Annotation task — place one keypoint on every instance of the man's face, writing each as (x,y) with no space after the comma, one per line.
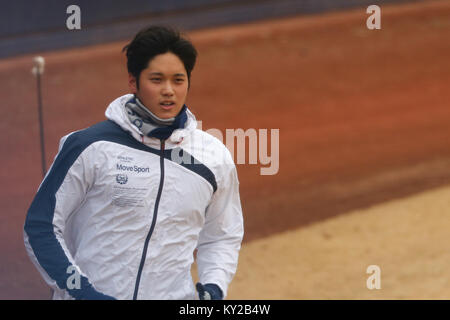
(163,85)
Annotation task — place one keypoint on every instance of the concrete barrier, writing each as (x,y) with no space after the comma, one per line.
(27,27)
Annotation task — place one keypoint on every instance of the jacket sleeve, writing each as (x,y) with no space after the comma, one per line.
(221,237)
(59,195)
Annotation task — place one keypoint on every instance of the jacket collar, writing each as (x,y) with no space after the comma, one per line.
(180,129)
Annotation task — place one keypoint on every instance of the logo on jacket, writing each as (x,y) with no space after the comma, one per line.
(121,178)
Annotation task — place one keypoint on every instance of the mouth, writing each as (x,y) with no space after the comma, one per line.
(167,105)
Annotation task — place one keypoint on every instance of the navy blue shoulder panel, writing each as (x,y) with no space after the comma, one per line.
(110,131)
(186,160)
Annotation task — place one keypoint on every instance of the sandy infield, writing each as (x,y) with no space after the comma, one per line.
(407,238)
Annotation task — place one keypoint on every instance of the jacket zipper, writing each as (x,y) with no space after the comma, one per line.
(155,214)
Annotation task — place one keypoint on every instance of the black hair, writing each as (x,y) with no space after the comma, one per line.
(155,40)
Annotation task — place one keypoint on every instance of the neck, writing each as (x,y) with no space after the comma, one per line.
(151,125)
(145,113)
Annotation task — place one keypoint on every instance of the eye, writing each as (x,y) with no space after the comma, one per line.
(155,79)
(179,80)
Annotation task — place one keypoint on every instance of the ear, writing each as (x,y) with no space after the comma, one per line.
(132,83)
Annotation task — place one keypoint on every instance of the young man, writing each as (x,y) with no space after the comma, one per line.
(127,201)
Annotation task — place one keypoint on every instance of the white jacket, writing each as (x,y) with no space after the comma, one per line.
(123,213)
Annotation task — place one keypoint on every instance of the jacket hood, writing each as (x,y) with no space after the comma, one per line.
(116,112)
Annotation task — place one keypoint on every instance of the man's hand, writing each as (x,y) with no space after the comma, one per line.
(209,291)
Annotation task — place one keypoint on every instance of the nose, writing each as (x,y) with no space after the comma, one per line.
(167,89)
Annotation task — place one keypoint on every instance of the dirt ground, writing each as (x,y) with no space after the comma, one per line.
(406,238)
(363,117)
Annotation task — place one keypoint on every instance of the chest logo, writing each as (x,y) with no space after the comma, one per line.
(121,178)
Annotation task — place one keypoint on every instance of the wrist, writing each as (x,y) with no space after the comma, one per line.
(209,291)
